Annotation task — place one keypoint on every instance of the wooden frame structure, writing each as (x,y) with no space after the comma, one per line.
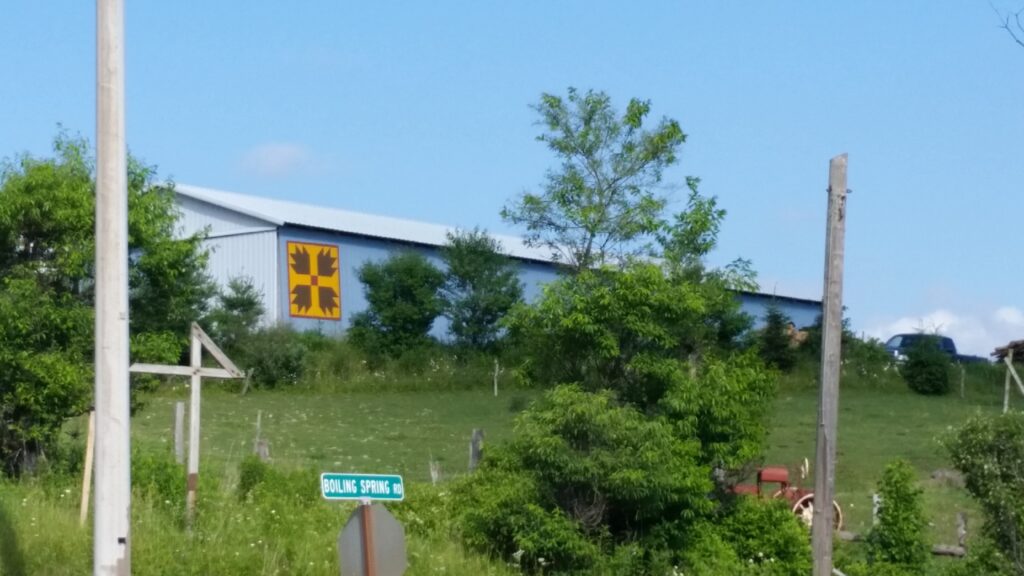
(197,372)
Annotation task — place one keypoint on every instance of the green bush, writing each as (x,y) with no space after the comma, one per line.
(403,299)
(159,477)
(767,532)
(989,452)
(499,514)
(582,476)
(926,369)
(251,473)
(275,356)
(629,330)
(898,538)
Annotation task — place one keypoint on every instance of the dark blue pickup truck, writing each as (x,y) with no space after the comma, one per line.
(899,344)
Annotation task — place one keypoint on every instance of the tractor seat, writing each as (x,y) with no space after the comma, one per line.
(773,474)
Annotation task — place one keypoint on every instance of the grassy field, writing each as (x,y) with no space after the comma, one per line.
(399,432)
(387,432)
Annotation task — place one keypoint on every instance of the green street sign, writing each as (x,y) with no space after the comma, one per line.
(361,486)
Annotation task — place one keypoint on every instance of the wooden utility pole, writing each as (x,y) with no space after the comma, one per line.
(831,347)
(112,524)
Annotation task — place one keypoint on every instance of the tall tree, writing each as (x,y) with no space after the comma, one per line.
(47,249)
(602,203)
(481,285)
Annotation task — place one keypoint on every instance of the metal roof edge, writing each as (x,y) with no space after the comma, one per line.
(780,297)
(202,194)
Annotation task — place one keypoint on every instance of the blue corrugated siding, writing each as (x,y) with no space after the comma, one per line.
(252,255)
(802,313)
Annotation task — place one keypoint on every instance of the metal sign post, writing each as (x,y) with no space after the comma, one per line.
(372,542)
(369,561)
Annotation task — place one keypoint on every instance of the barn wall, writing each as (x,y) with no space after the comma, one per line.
(253,255)
(803,313)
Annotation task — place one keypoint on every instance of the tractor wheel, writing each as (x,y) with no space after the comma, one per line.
(804,510)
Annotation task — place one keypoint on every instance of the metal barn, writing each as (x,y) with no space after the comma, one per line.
(304,258)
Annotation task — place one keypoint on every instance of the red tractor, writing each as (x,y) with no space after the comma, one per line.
(773,482)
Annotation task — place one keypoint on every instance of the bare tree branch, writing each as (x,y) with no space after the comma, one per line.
(1011,22)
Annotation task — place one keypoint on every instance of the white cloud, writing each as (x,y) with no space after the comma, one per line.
(276,159)
(973,334)
(1010,316)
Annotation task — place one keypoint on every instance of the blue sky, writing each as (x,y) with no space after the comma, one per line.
(421,110)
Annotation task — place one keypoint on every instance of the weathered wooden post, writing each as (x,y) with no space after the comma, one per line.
(476,448)
(90,445)
(179,432)
(1006,385)
(828,408)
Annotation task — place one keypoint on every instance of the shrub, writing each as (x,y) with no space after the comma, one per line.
(629,331)
(587,474)
(750,537)
(500,515)
(251,472)
(767,532)
(989,452)
(275,357)
(926,369)
(159,477)
(898,538)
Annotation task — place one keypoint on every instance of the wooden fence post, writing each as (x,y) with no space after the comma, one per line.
(179,432)
(476,448)
(90,445)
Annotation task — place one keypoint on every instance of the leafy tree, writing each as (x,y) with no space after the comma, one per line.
(403,293)
(648,391)
(898,538)
(47,250)
(776,343)
(989,452)
(601,205)
(481,285)
(236,315)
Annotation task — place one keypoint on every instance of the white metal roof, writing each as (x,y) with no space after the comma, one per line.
(282,212)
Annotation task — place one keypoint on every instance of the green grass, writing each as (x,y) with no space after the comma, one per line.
(385,432)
